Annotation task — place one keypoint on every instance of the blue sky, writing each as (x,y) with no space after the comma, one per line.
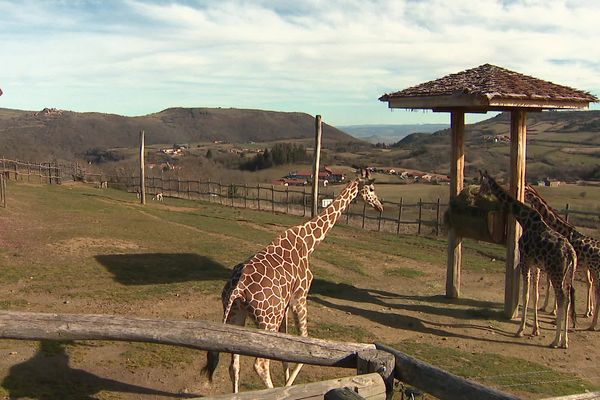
(333,58)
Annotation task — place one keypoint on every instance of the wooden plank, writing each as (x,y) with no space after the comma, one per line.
(517,190)
(457,166)
(581,396)
(192,334)
(368,386)
(439,383)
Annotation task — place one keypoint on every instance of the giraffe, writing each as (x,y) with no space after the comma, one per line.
(540,247)
(278,278)
(586,248)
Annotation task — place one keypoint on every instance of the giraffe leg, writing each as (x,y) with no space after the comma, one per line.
(597,290)
(300,314)
(590,298)
(547,297)
(536,281)
(283,329)
(526,278)
(261,366)
(237,316)
(560,315)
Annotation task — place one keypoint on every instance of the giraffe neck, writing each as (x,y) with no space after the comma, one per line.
(549,215)
(320,225)
(524,214)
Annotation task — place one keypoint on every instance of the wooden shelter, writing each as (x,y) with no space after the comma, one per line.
(479,90)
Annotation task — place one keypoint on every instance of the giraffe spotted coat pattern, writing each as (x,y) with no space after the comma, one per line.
(278,278)
(540,247)
(586,248)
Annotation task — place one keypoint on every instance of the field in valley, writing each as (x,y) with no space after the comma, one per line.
(77,249)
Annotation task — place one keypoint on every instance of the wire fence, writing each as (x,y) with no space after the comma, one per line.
(421,217)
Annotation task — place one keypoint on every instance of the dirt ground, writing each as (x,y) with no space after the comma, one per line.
(391,311)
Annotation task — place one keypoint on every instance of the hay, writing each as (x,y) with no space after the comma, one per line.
(477,216)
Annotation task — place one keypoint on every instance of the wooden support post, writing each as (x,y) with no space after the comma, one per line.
(457,164)
(518,132)
(287,200)
(383,363)
(437,218)
(317,160)
(567,212)
(364,214)
(273,198)
(258,195)
(245,195)
(142,170)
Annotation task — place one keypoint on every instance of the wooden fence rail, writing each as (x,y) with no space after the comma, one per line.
(246,341)
(397,217)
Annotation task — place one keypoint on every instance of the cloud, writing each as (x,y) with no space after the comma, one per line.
(310,56)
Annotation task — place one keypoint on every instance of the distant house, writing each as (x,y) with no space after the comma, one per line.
(325,174)
(290,182)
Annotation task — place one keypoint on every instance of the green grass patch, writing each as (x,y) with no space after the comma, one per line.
(341,260)
(147,355)
(403,272)
(508,374)
(341,332)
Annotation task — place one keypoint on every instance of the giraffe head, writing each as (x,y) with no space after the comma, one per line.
(484,183)
(367,190)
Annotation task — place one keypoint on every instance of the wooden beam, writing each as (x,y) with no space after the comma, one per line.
(439,383)
(457,165)
(518,139)
(368,386)
(192,334)
(479,102)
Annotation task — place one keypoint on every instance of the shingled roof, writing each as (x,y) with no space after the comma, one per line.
(489,87)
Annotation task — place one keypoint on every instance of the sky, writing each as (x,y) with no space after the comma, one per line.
(334,58)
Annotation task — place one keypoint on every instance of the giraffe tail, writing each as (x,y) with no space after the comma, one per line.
(212,361)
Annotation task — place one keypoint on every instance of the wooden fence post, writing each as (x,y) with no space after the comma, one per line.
(364,215)
(379,221)
(399,216)
(273,198)
(3,190)
(258,194)
(437,218)
(368,361)
(420,214)
(567,212)
(142,170)
(287,200)
(304,202)
(245,195)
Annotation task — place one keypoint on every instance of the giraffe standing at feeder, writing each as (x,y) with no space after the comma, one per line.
(540,247)
(278,278)
(586,248)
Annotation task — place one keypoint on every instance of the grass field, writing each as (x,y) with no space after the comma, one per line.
(78,249)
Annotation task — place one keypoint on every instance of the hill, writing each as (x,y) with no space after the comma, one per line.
(61,134)
(389,133)
(560,144)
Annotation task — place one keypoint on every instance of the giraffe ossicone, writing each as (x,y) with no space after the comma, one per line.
(277,279)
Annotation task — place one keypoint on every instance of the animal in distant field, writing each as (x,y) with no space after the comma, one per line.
(158,197)
(278,278)
(103,185)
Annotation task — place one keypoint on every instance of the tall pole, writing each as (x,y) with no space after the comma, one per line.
(315,188)
(142,172)
(518,152)
(457,165)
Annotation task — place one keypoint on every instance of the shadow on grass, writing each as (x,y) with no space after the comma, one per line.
(162,268)
(472,308)
(47,375)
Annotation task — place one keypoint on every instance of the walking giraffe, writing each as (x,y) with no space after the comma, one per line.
(586,248)
(540,247)
(278,278)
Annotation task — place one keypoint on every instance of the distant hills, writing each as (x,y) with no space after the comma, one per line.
(560,144)
(389,133)
(52,133)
